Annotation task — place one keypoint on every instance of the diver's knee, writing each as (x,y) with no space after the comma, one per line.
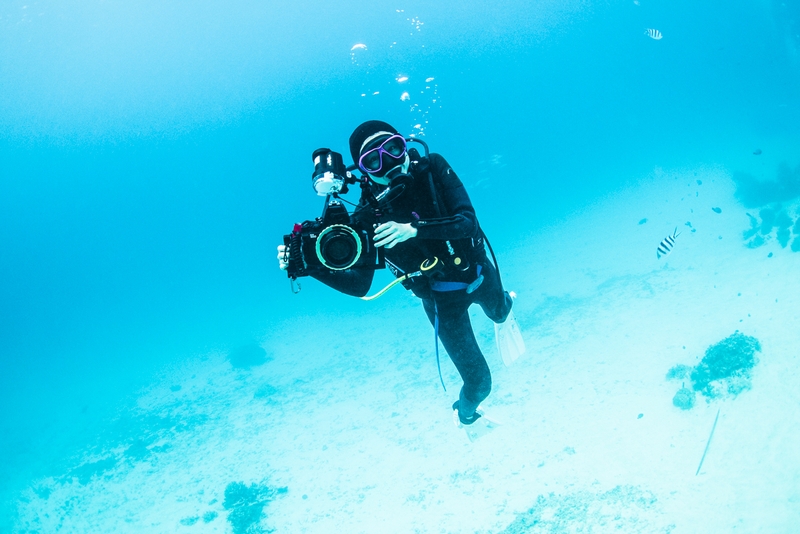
(485,386)
(501,312)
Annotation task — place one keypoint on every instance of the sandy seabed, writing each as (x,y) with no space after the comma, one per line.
(340,433)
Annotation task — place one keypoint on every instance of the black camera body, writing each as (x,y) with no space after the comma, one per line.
(333,242)
(339,240)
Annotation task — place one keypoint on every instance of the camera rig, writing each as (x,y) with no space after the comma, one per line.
(338,239)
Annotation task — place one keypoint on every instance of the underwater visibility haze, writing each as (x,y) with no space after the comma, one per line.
(634,164)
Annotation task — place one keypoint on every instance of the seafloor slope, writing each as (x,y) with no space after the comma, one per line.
(606,418)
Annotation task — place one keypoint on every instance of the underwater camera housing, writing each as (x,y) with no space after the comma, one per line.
(334,242)
(339,240)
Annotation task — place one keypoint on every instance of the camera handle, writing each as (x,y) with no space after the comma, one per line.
(295,258)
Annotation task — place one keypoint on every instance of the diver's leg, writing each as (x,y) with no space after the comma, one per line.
(455,331)
(430,309)
(496,302)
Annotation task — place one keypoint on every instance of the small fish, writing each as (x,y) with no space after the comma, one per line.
(665,247)
(757,152)
(653,33)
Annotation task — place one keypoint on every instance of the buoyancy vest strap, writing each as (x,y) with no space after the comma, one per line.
(434,195)
(438,285)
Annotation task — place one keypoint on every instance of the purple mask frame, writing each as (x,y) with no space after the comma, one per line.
(381,152)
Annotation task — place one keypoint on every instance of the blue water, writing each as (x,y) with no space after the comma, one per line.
(152,155)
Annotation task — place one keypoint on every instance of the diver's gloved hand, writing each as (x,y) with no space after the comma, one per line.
(283,257)
(391,233)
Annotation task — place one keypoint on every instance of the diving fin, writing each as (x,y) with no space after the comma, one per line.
(509,340)
(482,425)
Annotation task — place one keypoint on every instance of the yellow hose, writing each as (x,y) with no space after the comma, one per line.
(428,266)
(387,288)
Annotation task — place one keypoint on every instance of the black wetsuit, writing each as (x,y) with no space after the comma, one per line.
(454,236)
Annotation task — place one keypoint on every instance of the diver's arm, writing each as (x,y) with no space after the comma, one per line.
(461,222)
(353,282)
(461,226)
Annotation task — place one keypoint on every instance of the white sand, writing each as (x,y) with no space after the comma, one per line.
(361,433)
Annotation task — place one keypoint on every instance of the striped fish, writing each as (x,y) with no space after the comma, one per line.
(665,247)
(653,33)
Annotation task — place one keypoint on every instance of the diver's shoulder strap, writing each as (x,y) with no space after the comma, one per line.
(421,168)
(420,165)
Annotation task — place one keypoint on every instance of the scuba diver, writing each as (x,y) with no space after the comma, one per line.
(432,221)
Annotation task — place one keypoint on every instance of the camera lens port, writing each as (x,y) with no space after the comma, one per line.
(338,247)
